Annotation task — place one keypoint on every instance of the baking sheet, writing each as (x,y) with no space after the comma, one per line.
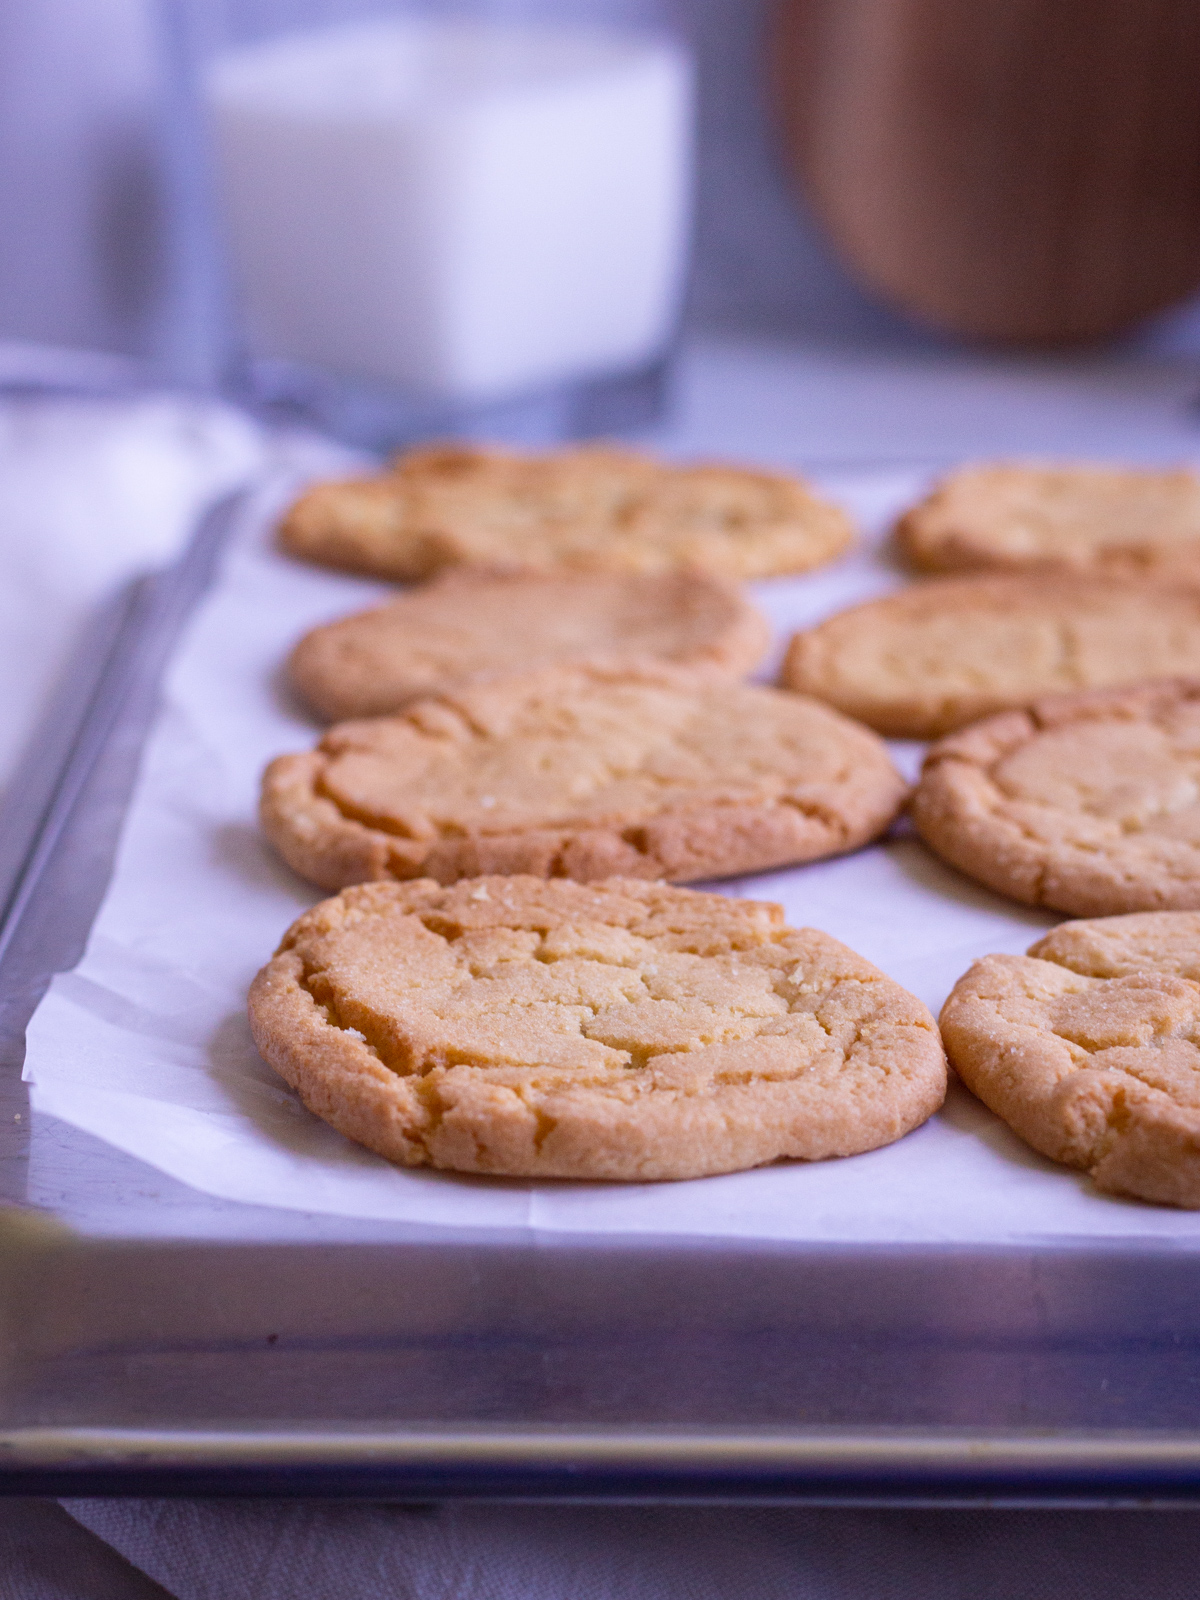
(146,1046)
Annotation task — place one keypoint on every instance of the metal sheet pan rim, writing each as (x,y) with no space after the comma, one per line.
(817,1450)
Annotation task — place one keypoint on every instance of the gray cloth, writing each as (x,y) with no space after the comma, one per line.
(222,1550)
(46,1555)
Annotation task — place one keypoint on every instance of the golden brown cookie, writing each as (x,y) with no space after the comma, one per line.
(1089,518)
(938,655)
(467,626)
(1086,803)
(614,1030)
(582,775)
(1115,947)
(581,510)
(1089,1048)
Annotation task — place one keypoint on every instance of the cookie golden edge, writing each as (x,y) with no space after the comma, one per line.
(733,652)
(1114,947)
(926,540)
(810,664)
(348,524)
(948,812)
(1141,1145)
(931,711)
(929,541)
(357,525)
(341,1078)
(682,844)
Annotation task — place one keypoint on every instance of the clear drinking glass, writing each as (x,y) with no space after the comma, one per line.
(410,218)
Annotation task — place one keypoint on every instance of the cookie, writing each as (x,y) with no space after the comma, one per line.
(1086,803)
(941,654)
(582,510)
(467,626)
(1089,518)
(619,1030)
(1089,1048)
(1115,947)
(582,775)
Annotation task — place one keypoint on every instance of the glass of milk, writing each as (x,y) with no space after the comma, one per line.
(467,216)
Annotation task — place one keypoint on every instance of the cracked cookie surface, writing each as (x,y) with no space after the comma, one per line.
(1089,1048)
(938,655)
(469,626)
(620,1030)
(590,509)
(1086,517)
(583,775)
(1087,803)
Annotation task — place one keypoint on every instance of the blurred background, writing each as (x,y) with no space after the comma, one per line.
(99,256)
(93,258)
(91,255)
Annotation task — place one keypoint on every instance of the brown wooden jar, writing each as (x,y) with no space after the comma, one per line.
(1021,170)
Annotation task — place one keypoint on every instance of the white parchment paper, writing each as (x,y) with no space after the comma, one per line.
(146,1045)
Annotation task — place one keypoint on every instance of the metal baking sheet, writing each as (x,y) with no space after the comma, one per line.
(157,1339)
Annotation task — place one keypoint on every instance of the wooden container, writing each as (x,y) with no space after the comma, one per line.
(1018,170)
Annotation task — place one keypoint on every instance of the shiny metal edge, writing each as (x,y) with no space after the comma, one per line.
(69,796)
(37,776)
(133,654)
(637,1450)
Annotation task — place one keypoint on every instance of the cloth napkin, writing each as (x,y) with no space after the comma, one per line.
(224,1550)
(93,490)
(100,481)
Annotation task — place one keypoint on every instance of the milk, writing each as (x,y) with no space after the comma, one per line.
(461,210)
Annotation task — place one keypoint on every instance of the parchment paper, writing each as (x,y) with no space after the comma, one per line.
(146,1045)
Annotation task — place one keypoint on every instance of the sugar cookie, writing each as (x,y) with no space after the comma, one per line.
(582,775)
(1086,803)
(940,654)
(589,510)
(1087,517)
(468,626)
(618,1030)
(1089,1048)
